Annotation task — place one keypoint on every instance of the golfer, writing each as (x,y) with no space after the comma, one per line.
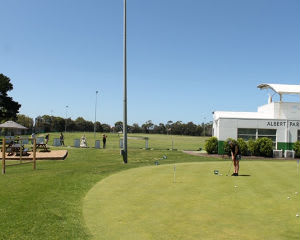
(236,156)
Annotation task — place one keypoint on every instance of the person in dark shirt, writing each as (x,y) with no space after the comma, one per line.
(62,140)
(236,156)
(47,138)
(104,140)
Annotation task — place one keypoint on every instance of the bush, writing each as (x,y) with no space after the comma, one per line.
(227,147)
(243,147)
(265,147)
(253,147)
(211,145)
(296,148)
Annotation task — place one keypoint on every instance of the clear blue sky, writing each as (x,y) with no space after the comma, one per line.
(186,58)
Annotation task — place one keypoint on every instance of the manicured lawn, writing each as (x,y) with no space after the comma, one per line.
(156,141)
(146,203)
(48,203)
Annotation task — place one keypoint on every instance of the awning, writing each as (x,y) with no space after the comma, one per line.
(281,88)
(12,125)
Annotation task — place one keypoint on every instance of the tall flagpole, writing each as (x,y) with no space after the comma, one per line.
(124,152)
(95,115)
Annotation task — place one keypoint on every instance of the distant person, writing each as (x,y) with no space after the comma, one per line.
(32,137)
(83,142)
(236,156)
(62,140)
(104,140)
(47,138)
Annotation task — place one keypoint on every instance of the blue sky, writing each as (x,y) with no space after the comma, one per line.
(185,58)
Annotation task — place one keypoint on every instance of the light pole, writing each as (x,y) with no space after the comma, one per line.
(124,151)
(95,115)
(66,118)
(204,125)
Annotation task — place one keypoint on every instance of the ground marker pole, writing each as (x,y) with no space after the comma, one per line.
(3,156)
(34,154)
(21,150)
(174,180)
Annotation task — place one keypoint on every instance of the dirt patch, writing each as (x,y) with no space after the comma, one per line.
(52,155)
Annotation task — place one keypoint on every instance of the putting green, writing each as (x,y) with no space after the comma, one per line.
(146,203)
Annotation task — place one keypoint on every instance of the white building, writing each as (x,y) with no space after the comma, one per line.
(279,121)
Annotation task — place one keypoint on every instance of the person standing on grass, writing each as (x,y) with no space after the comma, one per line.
(236,156)
(61,138)
(47,138)
(104,140)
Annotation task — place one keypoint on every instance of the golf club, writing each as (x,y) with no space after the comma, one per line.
(231,163)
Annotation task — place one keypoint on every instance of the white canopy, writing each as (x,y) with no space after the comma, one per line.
(281,88)
(12,125)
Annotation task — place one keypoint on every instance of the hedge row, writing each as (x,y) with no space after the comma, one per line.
(259,147)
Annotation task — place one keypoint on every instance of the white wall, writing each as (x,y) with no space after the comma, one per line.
(286,110)
(287,131)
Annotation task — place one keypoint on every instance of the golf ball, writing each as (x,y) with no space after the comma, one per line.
(296,192)
(297,215)
(288,197)
(235,186)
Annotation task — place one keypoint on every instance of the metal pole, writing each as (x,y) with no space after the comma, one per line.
(34,154)
(204,125)
(95,115)
(66,119)
(124,152)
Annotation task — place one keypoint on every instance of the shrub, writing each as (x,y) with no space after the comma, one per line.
(227,147)
(265,147)
(211,145)
(253,147)
(243,147)
(296,148)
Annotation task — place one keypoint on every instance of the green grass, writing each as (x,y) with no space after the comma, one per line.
(156,141)
(145,203)
(48,203)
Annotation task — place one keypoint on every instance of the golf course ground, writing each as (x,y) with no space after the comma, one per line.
(147,203)
(93,195)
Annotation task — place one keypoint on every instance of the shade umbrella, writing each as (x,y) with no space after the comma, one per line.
(12,125)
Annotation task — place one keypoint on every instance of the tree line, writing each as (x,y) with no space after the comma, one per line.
(48,123)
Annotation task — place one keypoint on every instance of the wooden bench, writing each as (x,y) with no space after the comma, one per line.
(43,147)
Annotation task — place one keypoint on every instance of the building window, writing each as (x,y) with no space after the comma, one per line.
(269,133)
(250,133)
(298,135)
(246,133)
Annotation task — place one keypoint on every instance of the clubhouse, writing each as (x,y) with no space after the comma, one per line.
(279,121)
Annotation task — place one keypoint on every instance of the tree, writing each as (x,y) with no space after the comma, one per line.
(8,107)
(136,128)
(189,129)
(25,121)
(98,127)
(58,124)
(80,124)
(161,129)
(147,126)
(105,127)
(118,126)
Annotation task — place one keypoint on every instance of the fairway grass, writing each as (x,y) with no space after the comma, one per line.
(146,203)
(156,141)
